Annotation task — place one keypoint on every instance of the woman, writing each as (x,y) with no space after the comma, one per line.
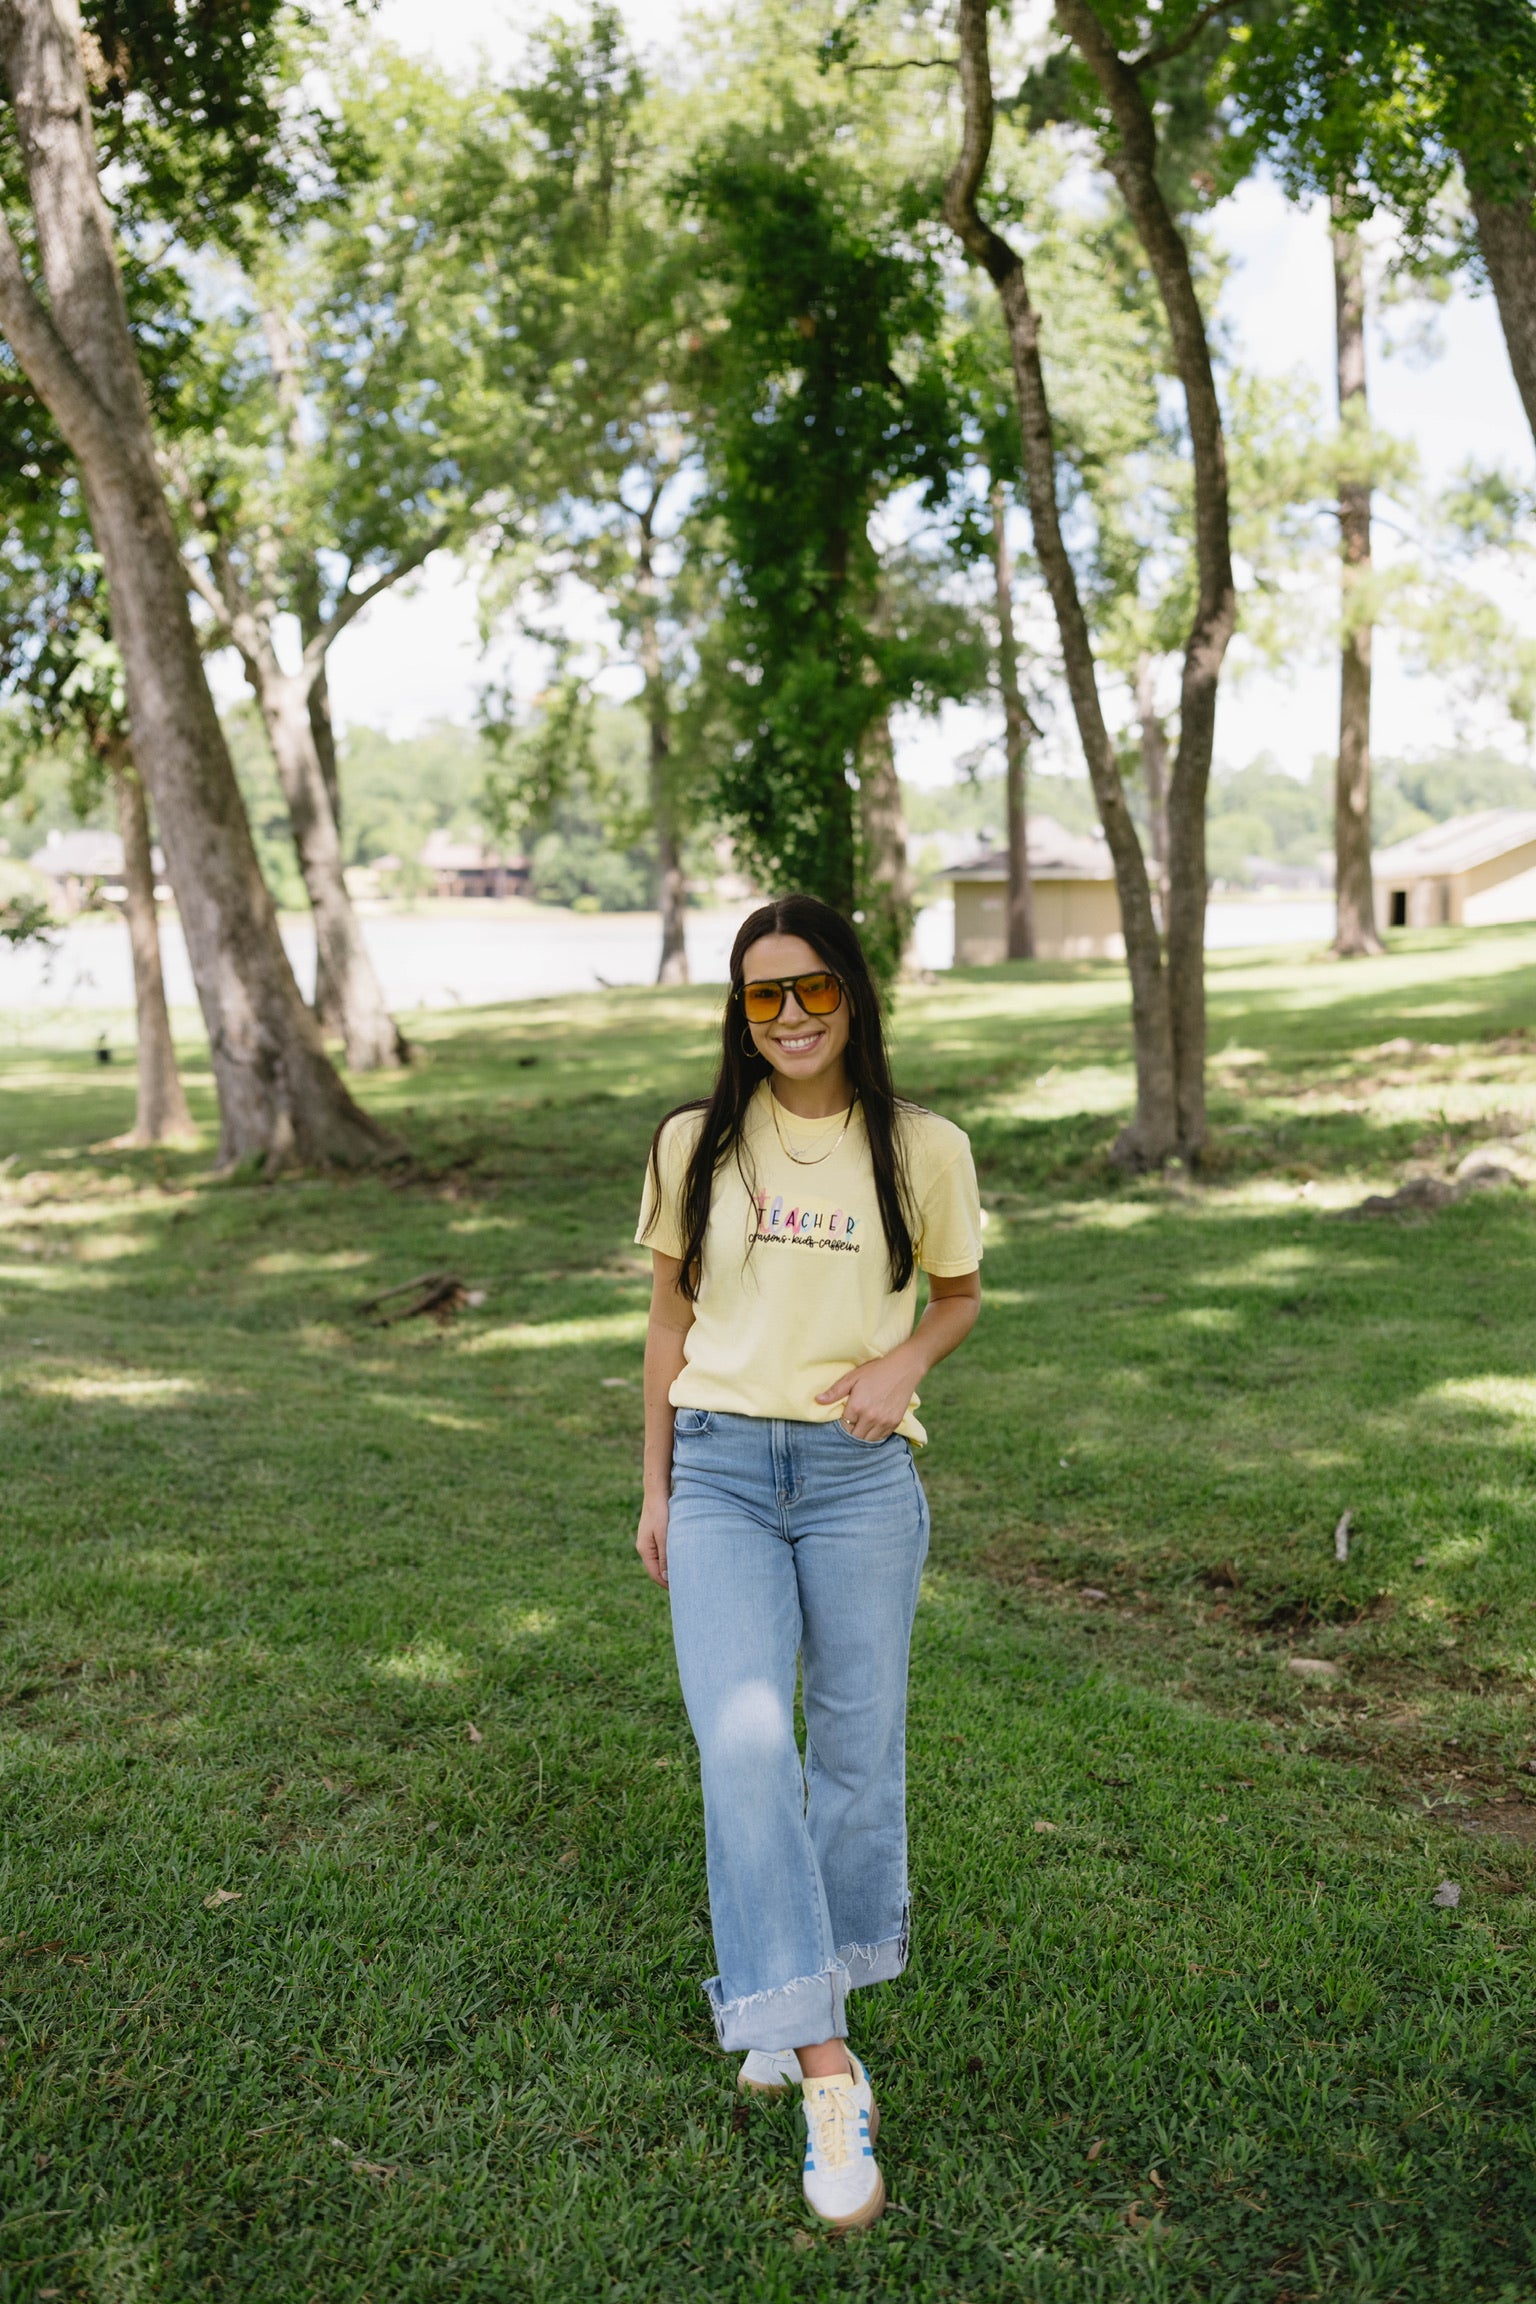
(787,1218)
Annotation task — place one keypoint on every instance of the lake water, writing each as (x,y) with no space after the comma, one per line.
(461,960)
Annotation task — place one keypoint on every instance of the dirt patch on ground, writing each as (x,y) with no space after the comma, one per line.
(1504,1820)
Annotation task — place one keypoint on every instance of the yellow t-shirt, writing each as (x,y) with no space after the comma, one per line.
(796,1286)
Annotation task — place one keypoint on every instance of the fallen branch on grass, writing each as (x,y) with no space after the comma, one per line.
(440,1293)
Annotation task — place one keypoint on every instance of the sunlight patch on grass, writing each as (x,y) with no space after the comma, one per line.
(108,1247)
(1089,1088)
(1512,1396)
(1108,1215)
(426,1663)
(521,1336)
(1275,1264)
(1459,1552)
(422,1412)
(166,1560)
(527,1624)
(133,1390)
(284,1263)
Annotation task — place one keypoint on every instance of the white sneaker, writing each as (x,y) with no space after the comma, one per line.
(768,2071)
(842,2183)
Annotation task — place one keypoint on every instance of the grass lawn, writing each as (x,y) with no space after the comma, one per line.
(352,1898)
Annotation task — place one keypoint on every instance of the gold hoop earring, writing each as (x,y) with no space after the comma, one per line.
(748,1044)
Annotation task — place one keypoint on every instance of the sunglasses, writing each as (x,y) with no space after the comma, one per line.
(819,995)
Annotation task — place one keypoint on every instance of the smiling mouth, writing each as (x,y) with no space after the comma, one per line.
(797,1043)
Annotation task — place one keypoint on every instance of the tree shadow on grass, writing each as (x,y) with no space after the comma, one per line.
(267,1566)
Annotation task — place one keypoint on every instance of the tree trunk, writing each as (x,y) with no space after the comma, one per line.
(1154,767)
(342,960)
(330,1006)
(885,877)
(162,1116)
(672,882)
(1017,730)
(1506,234)
(1153,1135)
(279,1096)
(1354,896)
(1132,160)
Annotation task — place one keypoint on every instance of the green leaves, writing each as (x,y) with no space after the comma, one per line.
(827,394)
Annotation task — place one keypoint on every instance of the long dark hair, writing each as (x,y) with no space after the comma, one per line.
(742,1070)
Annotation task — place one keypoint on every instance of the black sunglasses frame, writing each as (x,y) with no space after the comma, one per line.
(792,984)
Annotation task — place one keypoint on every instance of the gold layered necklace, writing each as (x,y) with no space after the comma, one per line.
(799,1158)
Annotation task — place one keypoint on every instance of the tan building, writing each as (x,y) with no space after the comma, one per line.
(1077,907)
(470,868)
(1471,872)
(86,868)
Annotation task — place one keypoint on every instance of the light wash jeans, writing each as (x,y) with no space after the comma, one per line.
(786,1540)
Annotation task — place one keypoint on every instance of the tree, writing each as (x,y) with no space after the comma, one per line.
(616,304)
(244,577)
(1018,728)
(1152,1136)
(1354,891)
(344,435)
(979,361)
(1130,146)
(826,396)
(63,681)
(1374,106)
(279,1096)
(1391,97)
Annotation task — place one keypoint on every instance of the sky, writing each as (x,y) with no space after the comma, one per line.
(415,657)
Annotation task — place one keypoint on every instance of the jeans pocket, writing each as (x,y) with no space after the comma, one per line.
(855,1442)
(690,1423)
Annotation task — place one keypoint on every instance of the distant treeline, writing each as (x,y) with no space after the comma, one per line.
(400,789)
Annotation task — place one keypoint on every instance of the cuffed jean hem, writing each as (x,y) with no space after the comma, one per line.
(876,1963)
(808,2008)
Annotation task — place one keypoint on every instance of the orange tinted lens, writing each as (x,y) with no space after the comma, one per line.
(818,995)
(761,1002)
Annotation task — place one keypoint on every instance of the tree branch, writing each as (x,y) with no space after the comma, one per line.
(909,64)
(46,359)
(277,329)
(1166,51)
(207,591)
(981,243)
(353,603)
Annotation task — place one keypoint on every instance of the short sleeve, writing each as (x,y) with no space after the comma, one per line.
(660,1225)
(948,1239)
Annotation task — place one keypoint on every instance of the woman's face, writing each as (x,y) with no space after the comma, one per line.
(800,1047)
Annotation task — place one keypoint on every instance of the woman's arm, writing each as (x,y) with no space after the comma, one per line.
(665,1334)
(876,1397)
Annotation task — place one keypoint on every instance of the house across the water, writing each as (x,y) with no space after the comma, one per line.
(470,868)
(1077,908)
(86,868)
(1470,872)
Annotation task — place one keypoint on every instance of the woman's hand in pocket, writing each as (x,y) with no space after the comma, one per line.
(651,1538)
(876,1396)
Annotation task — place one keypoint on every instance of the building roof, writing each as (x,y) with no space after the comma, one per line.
(1458,845)
(442,853)
(80,856)
(1054,854)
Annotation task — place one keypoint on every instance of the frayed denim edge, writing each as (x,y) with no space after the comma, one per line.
(729,2014)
